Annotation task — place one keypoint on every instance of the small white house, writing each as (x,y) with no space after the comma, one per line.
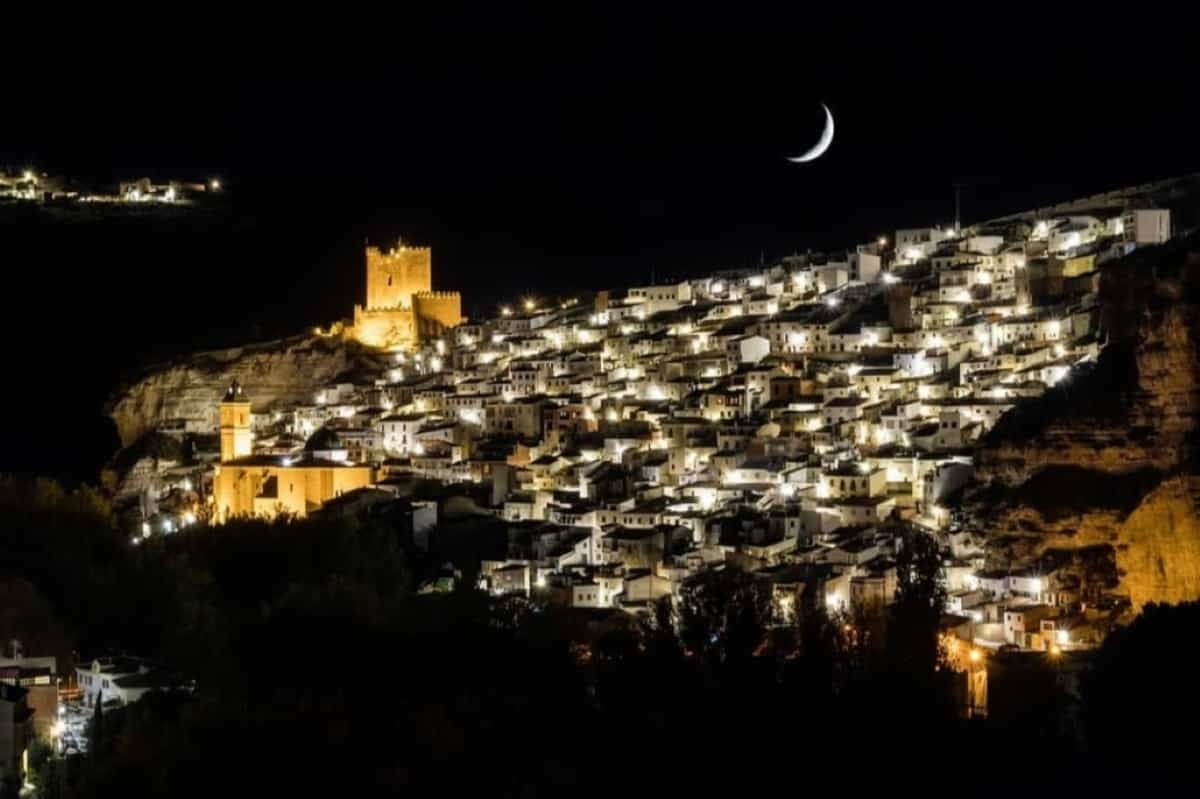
(748,349)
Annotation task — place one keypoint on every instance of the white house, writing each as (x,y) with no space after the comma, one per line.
(122,679)
(1073,232)
(398,432)
(660,298)
(1146,226)
(915,244)
(748,349)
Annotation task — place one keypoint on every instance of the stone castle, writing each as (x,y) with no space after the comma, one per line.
(401,307)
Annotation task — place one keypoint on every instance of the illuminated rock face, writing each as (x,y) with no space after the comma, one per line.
(275,373)
(1119,444)
(1158,549)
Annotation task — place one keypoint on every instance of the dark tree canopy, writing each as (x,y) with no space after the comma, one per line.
(315,661)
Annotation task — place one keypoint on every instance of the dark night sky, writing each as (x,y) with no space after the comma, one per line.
(546,157)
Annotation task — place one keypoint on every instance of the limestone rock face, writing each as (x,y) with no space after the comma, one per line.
(272,374)
(1158,545)
(1109,457)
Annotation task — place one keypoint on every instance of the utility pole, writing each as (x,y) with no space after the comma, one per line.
(958,206)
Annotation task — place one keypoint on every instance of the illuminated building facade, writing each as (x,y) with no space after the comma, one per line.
(266,486)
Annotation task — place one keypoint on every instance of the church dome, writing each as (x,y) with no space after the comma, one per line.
(323,439)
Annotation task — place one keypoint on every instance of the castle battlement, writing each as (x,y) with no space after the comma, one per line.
(397,251)
(439,295)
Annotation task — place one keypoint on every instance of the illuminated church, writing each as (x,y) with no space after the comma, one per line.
(401,307)
(266,486)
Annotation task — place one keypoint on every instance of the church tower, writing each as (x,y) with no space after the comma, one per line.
(236,438)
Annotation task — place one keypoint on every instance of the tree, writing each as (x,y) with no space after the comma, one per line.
(27,616)
(96,726)
(914,616)
(1138,690)
(723,615)
(662,645)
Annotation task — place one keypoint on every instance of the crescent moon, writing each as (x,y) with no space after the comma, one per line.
(822,144)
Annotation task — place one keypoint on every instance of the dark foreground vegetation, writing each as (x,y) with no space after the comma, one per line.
(320,670)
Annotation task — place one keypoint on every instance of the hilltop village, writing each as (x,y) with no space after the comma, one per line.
(33,186)
(794,419)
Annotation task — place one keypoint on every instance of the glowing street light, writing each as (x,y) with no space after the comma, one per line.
(530,305)
(975,656)
(215,184)
(506,311)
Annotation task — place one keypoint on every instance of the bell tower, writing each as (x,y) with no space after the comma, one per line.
(236,438)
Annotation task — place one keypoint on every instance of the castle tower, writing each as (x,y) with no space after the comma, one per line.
(236,438)
(393,277)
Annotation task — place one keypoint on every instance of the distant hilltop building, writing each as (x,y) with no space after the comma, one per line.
(401,308)
(35,186)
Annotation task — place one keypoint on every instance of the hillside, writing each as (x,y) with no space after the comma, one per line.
(283,372)
(1108,458)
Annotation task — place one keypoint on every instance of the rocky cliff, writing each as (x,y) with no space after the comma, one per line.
(273,374)
(1108,458)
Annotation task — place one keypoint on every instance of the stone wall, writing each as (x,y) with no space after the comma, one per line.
(386,328)
(441,307)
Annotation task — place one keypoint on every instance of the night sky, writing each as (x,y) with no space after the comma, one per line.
(544,157)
